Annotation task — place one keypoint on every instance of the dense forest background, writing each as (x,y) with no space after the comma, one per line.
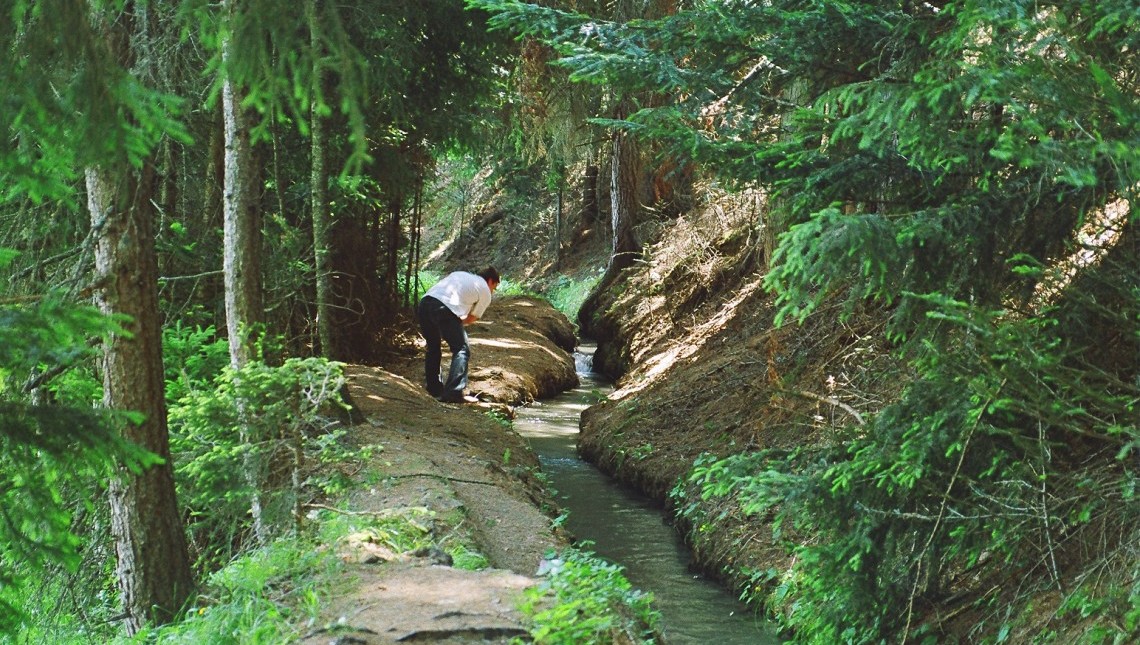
(207,206)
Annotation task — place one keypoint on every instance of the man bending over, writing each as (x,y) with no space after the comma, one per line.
(456,301)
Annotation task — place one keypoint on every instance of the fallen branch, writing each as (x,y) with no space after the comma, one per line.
(388,512)
(833,401)
(444,477)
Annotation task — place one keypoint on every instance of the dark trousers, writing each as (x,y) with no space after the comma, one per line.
(437,323)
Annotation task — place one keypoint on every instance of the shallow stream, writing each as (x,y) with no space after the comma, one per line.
(628,529)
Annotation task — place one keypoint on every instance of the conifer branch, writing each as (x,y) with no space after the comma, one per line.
(942,511)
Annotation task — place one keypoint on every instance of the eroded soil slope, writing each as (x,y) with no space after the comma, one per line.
(704,370)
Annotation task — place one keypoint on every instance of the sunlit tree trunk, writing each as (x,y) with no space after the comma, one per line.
(558,224)
(153,565)
(242,234)
(152,561)
(241,262)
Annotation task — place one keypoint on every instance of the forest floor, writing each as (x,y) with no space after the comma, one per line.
(463,474)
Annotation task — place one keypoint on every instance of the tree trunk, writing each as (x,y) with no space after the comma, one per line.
(152,561)
(624,202)
(558,224)
(411,277)
(588,216)
(392,262)
(319,191)
(779,215)
(419,236)
(153,565)
(242,234)
(241,263)
(215,172)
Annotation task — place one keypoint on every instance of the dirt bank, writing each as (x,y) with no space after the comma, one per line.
(469,479)
(704,370)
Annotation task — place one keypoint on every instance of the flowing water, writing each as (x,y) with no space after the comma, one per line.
(626,528)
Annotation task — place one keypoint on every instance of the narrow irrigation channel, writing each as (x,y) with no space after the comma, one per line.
(627,529)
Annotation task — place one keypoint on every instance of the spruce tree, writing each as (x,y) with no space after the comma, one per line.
(950,167)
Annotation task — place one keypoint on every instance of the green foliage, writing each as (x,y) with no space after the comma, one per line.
(510,288)
(272,62)
(49,452)
(47,455)
(584,599)
(70,104)
(567,294)
(274,593)
(402,530)
(414,68)
(928,160)
(973,468)
(914,148)
(265,596)
(54,608)
(270,407)
(463,557)
(193,358)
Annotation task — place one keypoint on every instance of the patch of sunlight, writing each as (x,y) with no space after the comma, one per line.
(444,245)
(648,305)
(494,343)
(658,364)
(1095,239)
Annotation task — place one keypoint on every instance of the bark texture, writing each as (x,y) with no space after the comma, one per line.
(153,564)
(241,265)
(241,229)
(319,179)
(624,194)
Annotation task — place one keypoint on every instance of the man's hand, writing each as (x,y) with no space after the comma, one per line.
(470,319)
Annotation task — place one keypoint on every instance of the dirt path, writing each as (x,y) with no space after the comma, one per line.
(469,477)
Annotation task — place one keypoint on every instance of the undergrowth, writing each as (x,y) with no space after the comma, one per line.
(584,599)
(1004,472)
(567,294)
(274,593)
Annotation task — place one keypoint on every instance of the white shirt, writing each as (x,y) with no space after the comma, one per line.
(464,293)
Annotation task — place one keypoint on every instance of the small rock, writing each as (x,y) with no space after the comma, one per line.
(435,554)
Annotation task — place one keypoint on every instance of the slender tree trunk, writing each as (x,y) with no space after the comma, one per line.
(215,172)
(558,225)
(319,191)
(411,277)
(392,270)
(242,266)
(419,237)
(242,234)
(153,564)
(588,215)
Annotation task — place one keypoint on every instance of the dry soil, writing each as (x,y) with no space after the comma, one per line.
(464,470)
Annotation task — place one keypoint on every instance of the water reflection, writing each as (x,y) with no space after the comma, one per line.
(627,529)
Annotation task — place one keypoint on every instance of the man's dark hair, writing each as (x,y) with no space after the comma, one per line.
(490,274)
